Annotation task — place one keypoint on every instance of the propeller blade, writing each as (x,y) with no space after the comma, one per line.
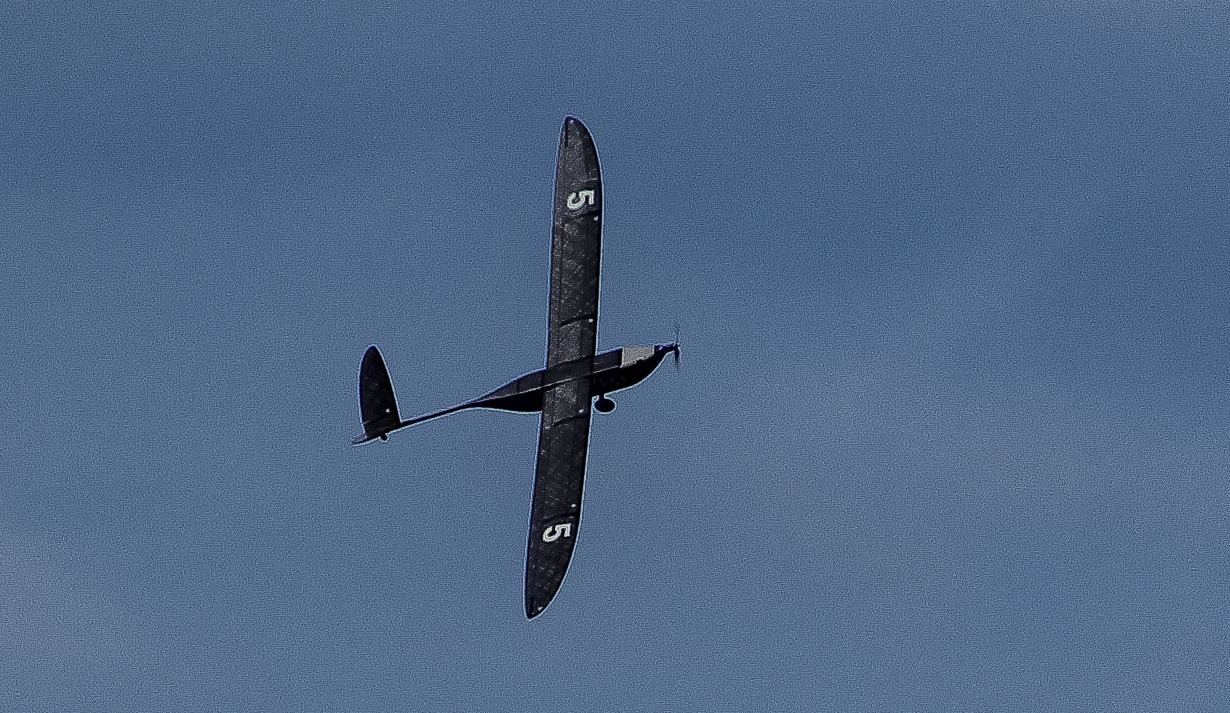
(677,350)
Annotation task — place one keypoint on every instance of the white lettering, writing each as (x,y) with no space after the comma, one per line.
(578,199)
(553,533)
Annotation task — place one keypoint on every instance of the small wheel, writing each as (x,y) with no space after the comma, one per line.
(384,436)
(604,405)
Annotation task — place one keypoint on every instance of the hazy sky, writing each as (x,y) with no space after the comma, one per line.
(952,430)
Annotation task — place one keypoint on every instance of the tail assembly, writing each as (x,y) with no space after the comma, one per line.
(377,404)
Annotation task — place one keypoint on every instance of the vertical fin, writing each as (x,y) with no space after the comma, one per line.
(377,404)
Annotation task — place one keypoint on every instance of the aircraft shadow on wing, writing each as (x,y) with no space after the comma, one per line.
(564,389)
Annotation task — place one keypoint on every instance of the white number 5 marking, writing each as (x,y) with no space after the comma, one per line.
(553,533)
(577,199)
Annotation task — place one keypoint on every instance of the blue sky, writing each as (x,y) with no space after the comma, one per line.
(952,430)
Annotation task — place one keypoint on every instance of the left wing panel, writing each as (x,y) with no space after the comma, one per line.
(555,516)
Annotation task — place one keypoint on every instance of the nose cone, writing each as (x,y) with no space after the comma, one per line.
(664,349)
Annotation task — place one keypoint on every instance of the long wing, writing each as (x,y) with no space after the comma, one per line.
(563,437)
(555,516)
(576,247)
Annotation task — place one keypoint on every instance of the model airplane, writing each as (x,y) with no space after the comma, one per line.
(574,374)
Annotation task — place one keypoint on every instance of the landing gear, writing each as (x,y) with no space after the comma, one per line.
(604,405)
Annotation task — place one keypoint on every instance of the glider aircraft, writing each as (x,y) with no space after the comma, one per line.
(562,391)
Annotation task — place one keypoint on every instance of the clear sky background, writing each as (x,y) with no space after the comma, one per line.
(952,430)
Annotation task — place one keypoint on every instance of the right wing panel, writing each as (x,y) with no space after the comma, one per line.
(576,247)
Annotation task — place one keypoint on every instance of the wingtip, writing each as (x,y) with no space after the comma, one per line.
(533,607)
(573,126)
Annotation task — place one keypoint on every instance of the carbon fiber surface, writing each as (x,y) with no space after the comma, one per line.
(576,247)
(555,516)
(377,405)
(563,437)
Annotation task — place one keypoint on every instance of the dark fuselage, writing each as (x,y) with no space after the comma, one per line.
(611,371)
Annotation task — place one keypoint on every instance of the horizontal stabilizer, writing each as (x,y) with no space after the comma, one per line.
(377,404)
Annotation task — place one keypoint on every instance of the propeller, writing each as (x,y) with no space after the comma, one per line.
(676,345)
